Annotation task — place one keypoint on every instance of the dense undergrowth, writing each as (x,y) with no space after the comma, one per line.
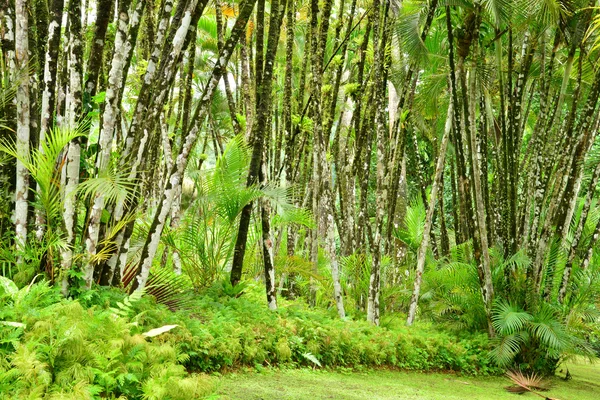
(96,347)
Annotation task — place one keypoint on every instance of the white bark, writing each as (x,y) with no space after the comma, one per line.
(8,36)
(73,110)
(49,82)
(488,288)
(333,260)
(23,123)
(46,117)
(176,175)
(267,246)
(175,219)
(166,147)
(109,123)
(73,100)
(72,173)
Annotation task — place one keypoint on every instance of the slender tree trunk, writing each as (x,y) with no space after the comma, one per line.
(259,129)
(323,196)
(8,35)
(578,234)
(104,10)
(288,162)
(421,255)
(23,124)
(164,206)
(50,68)
(246,90)
(487,287)
(73,114)
(267,246)
(49,90)
(444,241)
(228,93)
(379,85)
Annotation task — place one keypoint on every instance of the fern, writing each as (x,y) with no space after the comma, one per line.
(125,309)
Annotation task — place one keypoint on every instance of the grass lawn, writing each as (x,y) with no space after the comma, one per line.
(313,385)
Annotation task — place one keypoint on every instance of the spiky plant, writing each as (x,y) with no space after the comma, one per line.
(44,165)
(524,383)
(205,237)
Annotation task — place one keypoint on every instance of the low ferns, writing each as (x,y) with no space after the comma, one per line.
(66,351)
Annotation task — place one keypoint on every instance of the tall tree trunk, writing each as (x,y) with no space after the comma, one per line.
(50,67)
(487,287)
(258,135)
(73,114)
(324,198)
(49,89)
(104,10)
(221,41)
(379,86)
(267,245)
(8,35)
(164,206)
(23,123)
(422,253)
(288,162)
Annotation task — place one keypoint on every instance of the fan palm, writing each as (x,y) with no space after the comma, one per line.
(535,341)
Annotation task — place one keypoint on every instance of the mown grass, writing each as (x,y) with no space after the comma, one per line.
(384,384)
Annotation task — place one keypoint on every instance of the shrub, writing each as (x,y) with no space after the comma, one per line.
(94,346)
(225,332)
(59,349)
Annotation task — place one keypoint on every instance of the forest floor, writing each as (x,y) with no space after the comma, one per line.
(313,385)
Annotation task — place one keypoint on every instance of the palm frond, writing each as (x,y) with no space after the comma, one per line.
(506,348)
(508,319)
(526,383)
(408,31)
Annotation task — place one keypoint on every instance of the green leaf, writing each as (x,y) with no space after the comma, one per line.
(9,286)
(99,98)
(310,357)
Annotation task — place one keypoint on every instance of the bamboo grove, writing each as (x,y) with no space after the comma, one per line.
(355,118)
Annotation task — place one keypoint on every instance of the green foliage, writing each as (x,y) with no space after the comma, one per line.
(411,233)
(227,331)
(530,335)
(68,351)
(206,237)
(99,346)
(409,31)
(535,342)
